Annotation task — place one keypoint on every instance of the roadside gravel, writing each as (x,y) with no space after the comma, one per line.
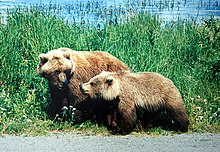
(66,142)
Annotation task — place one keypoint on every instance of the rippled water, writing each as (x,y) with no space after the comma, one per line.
(168,10)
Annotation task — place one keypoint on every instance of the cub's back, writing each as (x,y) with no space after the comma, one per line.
(150,82)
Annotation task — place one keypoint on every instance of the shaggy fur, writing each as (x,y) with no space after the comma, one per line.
(66,69)
(133,91)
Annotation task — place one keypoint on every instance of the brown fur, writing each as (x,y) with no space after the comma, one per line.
(66,69)
(149,91)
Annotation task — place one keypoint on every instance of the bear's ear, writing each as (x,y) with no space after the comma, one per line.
(43,59)
(64,49)
(68,56)
(110,80)
(103,72)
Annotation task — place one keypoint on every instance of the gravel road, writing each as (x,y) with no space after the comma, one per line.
(66,142)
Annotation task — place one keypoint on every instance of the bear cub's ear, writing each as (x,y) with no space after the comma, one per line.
(67,56)
(43,59)
(110,80)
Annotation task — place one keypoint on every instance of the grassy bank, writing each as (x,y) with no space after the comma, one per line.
(186,53)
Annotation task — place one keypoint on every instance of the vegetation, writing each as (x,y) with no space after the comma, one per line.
(183,51)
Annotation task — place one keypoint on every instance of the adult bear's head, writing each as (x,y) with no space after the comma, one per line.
(57,66)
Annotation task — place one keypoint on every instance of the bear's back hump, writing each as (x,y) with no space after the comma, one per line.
(101,60)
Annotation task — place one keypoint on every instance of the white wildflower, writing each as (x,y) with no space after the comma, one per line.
(198,108)
(3,93)
(64,108)
(200,117)
(2,109)
(28,120)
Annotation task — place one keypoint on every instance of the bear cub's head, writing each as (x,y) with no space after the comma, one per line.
(57,66)
(104,86)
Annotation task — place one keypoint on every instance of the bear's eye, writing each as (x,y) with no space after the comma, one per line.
(45,75)
(109,81)
(57,72)
(67,56)
(92,84)
(67,72)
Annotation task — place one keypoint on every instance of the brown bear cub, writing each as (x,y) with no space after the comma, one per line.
(66,69)
(146,90)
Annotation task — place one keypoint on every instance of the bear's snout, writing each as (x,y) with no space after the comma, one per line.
(65,82)
(83,89)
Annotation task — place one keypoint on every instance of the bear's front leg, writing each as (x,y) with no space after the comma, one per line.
(58,101)
(127,117)
(112,122)
(112,119)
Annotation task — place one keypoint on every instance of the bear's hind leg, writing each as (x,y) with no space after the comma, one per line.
(178,112)
(148,119)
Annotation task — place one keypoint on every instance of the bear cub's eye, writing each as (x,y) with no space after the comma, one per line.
(92,84)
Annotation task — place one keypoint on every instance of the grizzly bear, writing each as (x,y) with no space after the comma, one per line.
(66,69)
(134,91)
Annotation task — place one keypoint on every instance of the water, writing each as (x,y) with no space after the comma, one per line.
(168,10)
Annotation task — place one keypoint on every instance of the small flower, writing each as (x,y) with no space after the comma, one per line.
(2,109)
(205,100)
(210,108)
(64,108)
(192,99)
(218,109)
(200,117)
(70,106)
(28,120)
(3,93)
(198,108)
(215,114)
(198,97)
(74,109)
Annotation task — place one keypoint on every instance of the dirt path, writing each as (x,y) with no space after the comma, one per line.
(74,142)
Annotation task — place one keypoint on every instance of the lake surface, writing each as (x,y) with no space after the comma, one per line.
(168,10)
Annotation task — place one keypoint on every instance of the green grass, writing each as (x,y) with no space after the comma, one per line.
(185,52)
